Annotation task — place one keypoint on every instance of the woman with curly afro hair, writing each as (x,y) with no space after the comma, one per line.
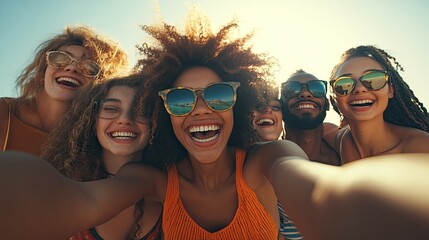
(218,184)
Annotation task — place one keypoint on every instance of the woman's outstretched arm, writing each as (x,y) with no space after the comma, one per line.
(384,197)
(39,203)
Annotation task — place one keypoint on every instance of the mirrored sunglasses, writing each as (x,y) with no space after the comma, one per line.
(292,89)
(372,81)
(218,97)
(58,60)
(110,108)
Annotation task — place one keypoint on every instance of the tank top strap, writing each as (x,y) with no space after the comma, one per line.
(342,134)
(240,155)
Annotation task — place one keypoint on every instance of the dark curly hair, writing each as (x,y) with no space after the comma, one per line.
(172,53)
(73,148)
(404,108)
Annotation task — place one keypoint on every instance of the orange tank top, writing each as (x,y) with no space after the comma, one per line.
(251,221)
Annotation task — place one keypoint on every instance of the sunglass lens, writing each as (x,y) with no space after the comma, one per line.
(292,89)
(219,97)
(344,86)
(88,68)
(58,59)
(374,80)
(180,101)
(317,88)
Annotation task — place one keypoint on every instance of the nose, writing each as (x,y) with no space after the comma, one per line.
(266,109)
(72,67)
(124,118)
(200,107)
(305,93)
(359,88)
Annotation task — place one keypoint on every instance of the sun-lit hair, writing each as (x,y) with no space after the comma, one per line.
(268,91)
(173,52)
(108,54)
(404,108)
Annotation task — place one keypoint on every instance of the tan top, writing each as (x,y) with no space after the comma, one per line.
(19,136)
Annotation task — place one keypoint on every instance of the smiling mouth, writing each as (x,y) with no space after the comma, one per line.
(265,122)
(70,82)
(123,135)
(305,106)
(361,103)
(204,133)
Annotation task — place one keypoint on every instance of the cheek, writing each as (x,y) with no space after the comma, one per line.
(100,128)
(145,130)
(176,123)
(48,74)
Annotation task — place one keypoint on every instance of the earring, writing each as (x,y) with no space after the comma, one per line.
(283,134)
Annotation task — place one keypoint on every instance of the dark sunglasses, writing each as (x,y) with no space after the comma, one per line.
(371,80)
(110,108)
(292,89)
(218,97)
(58,59)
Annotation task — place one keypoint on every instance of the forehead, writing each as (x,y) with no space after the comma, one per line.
(197,77)
(357,66)
(301,77)
(122,93)
(75,50)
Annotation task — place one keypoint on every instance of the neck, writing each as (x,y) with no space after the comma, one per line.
(373,137)
(305,138)
(209,176)
(48,112)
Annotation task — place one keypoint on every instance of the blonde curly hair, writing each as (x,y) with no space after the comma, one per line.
(108,54)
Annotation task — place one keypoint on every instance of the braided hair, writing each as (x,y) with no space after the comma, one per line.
(412,112)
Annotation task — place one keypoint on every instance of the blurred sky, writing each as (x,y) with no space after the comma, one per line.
(307,34)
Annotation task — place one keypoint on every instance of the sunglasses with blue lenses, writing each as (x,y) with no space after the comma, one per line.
(371,80)
(292,89)
(218,97)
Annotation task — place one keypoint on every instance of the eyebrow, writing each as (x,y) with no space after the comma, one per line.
(111,100)
(366,71)
(84,55)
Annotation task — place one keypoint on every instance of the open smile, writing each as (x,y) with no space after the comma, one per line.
(204,133)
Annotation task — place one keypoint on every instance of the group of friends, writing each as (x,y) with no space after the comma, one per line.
(195,143)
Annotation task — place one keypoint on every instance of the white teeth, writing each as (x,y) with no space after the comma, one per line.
(306,106)
(361,102)
(71,80)
(203,128)
(205,139)
(265,121)
(123,135)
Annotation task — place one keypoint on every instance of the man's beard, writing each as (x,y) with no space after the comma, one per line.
(306,122)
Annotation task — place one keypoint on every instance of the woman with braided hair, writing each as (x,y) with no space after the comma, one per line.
(382,113)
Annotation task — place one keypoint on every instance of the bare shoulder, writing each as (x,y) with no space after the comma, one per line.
(263,155)
(330,132)
(328,127)
(153,180)
(414,140)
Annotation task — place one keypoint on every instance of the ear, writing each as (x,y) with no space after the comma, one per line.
(327,105)
(391,91)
